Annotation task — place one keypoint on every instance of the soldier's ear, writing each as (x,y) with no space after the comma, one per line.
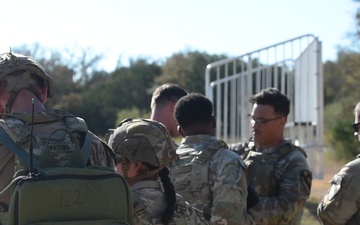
(181,131)
(44,94)
(283,121)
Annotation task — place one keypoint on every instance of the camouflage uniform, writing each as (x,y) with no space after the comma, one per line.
(100,153)
(242,148)
(222,190)
(340,205)
(282,179)
(149,205)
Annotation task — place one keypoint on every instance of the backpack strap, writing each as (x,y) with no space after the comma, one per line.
(86,148)
(24,155)
(14,148)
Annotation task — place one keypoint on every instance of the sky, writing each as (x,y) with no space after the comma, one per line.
(156,29)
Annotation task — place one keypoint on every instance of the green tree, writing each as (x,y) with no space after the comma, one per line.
(131,113)
(341,78)
(77,96)
(124,89)
(187,69)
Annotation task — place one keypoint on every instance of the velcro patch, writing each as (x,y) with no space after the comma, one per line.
(335,186)
(61,147)
(306,179)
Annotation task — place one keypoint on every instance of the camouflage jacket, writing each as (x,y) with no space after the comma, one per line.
(340,205)
(242,148)
(149,205)
(282,179)
(17,125)
(212,178)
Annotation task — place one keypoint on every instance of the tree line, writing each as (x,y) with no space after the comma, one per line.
(104,98)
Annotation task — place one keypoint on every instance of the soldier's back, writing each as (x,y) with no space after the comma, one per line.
(340,203)
(212,178)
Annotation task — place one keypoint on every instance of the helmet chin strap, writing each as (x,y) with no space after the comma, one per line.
(135,179)
(143,176)
(124,166)
(12,99)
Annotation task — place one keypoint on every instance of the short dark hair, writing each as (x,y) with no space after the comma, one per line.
(272,97)
(167,92)
(193,109)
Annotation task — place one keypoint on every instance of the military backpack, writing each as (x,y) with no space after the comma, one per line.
(59,186)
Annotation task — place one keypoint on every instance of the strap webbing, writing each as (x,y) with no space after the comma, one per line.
(24,155)
(14,148)
(86,148)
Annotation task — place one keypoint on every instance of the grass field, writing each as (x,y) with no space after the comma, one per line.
(318,190)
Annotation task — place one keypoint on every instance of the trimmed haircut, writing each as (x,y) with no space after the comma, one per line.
(167,92)
(193,109)
(272,97)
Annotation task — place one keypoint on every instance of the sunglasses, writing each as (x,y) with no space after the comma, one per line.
(356,127)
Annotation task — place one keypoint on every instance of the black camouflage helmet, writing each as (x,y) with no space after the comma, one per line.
(143,140)
(12,62)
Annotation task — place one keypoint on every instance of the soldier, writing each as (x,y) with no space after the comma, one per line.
(207,174)
(143,149)
(163,102)
(21,81)
(340,205)
(278,170)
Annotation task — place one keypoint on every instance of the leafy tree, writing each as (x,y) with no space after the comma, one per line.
(341,78)
(98,96)
(71,94)
(83,61)
(131,113)
(133,82)
(187,70)
(341,138)
(124,89)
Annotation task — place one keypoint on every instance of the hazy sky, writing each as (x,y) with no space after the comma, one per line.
(158,28)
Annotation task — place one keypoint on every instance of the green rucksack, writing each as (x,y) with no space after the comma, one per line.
(72,194)
(92,195)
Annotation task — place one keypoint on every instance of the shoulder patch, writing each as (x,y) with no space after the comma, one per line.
(335,186)
(306,179)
